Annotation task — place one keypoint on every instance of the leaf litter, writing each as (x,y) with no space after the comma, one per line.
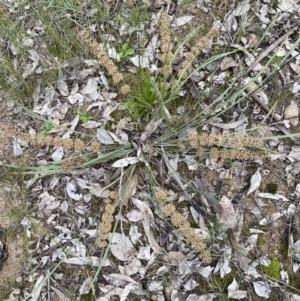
(151,249)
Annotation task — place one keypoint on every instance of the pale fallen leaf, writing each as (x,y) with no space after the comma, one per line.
(131,268)
(61,295)
(62,85)
(104,137)
(134,215)
(85,286)
(58,154)
(205,271)
(125,162)
(140,61)
(206,297)
(91,124)
(234,293)
(37,288)
(190,284)
(223,265)
(71,191)
(255,182)
(17,149)
(287,5)
(242,8)
(227,218)
(134,233)
(228,62)
(76,98)
(296,250)
(150,128)
(121,247)
(144,208)
(11,296)
(267,221)
(262,289)
(127,290)
(127,191)
(229,125)
(90,260)
(180,21)
(295,88)
(122,278)
(272,196)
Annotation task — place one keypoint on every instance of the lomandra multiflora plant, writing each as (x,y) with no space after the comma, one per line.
(179,222)
(228,147)
(104,60)
(105,226)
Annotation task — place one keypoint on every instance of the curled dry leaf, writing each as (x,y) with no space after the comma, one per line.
(228,62)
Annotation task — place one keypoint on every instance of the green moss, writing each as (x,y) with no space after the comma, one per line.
(273,270)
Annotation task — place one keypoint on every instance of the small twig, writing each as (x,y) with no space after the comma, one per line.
(270,49)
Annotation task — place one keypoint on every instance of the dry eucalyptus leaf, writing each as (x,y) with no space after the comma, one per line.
(61,295)
(125,162)
(206,297)
(91,124)
(262,289)
(234,293)
(58,154)
(71,191)
(129,190)
(85,286)
(227,218)
(296,250)
(228,62)
(121,247)
(242,9)
(296,88)
(182,21)
(140,61)
(17,149)
(292,113)
(287,5)
(150,128)
(37,288)
(90,260)
(104,137)
(255,182)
